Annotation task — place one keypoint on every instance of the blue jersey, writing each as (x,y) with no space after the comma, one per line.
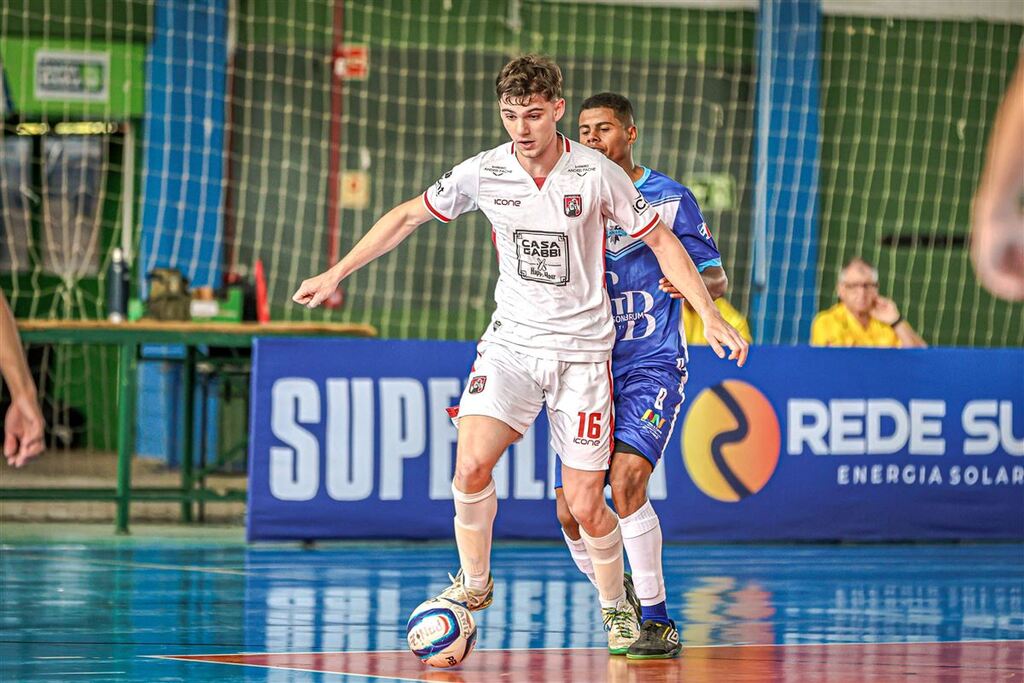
(647,320)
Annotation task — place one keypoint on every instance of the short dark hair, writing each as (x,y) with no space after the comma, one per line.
(529,75)
(619,104)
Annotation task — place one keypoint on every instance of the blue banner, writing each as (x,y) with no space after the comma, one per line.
(350,439)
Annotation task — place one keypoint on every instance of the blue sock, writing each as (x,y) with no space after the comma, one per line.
(654,612)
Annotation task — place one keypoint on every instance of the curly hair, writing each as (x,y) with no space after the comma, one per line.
(529,75)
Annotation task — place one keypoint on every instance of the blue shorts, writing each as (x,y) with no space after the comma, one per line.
(647,401)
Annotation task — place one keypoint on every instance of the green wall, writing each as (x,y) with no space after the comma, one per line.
(109,20)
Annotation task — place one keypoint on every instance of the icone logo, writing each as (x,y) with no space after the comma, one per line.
(731,441)
(507,202)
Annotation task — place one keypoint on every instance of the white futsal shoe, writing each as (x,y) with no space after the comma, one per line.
(621,624)
(474,600)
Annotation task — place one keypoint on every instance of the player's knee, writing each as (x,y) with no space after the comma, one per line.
(565,518)
(590,512)
(471,475)
(629,484)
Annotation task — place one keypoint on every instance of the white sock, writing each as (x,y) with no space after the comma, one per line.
(606,556)
(474,521)
(578,551)
(641,538)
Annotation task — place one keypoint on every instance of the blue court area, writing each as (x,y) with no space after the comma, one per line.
(110,610)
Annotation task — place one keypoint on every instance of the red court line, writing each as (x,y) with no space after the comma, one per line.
(971,661)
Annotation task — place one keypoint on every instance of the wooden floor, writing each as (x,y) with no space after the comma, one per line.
(837,662)
(188,608)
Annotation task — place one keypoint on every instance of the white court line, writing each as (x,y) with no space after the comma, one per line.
(148,565)
(547,649)
(293,668)
(173,657)
(178,658)
(87,673)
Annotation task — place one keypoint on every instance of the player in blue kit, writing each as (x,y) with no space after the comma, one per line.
(649,371)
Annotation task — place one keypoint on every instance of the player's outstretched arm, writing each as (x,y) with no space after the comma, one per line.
(680,271)
(385,235)
(23,424)
(997,238)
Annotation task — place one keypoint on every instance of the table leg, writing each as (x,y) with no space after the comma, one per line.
(127,353)
(189,386)
(204,399)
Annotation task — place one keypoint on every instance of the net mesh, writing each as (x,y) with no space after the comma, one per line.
(311,161)
(906,109)
(429,103)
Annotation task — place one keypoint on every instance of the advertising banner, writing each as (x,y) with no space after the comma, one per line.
(351,439)
(66,75)
(65,79)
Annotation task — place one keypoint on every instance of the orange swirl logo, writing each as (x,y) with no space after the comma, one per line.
(731,441)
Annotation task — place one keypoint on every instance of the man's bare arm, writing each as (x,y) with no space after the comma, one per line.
(714,278)
(386,234)
(885,311)
(23,424)
(680,271)
(997,230)
(908,336)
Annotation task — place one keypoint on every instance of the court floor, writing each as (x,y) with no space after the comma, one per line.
(202,609)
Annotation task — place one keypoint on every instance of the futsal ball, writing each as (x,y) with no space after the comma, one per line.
(441,632)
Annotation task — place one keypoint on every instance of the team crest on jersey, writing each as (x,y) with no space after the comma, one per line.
(477,384)
(618,242)
(573,205)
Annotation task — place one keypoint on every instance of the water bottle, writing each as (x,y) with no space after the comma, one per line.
(117,287)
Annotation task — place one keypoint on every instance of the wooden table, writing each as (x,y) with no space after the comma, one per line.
(128,337)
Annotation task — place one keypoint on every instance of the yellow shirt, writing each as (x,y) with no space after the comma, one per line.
(693,326)
(836,326)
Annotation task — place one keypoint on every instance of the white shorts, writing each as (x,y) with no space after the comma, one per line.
(512,387)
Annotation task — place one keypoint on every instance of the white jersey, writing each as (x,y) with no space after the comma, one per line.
(551,296)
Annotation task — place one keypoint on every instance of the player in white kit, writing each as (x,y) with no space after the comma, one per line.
(550,338)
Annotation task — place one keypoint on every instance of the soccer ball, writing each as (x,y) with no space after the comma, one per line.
(441,632)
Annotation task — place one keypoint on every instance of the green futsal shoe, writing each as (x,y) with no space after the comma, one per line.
(657,640)
(473,599)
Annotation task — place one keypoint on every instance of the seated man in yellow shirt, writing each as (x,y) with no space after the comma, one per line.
(693,328)
(862,317)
